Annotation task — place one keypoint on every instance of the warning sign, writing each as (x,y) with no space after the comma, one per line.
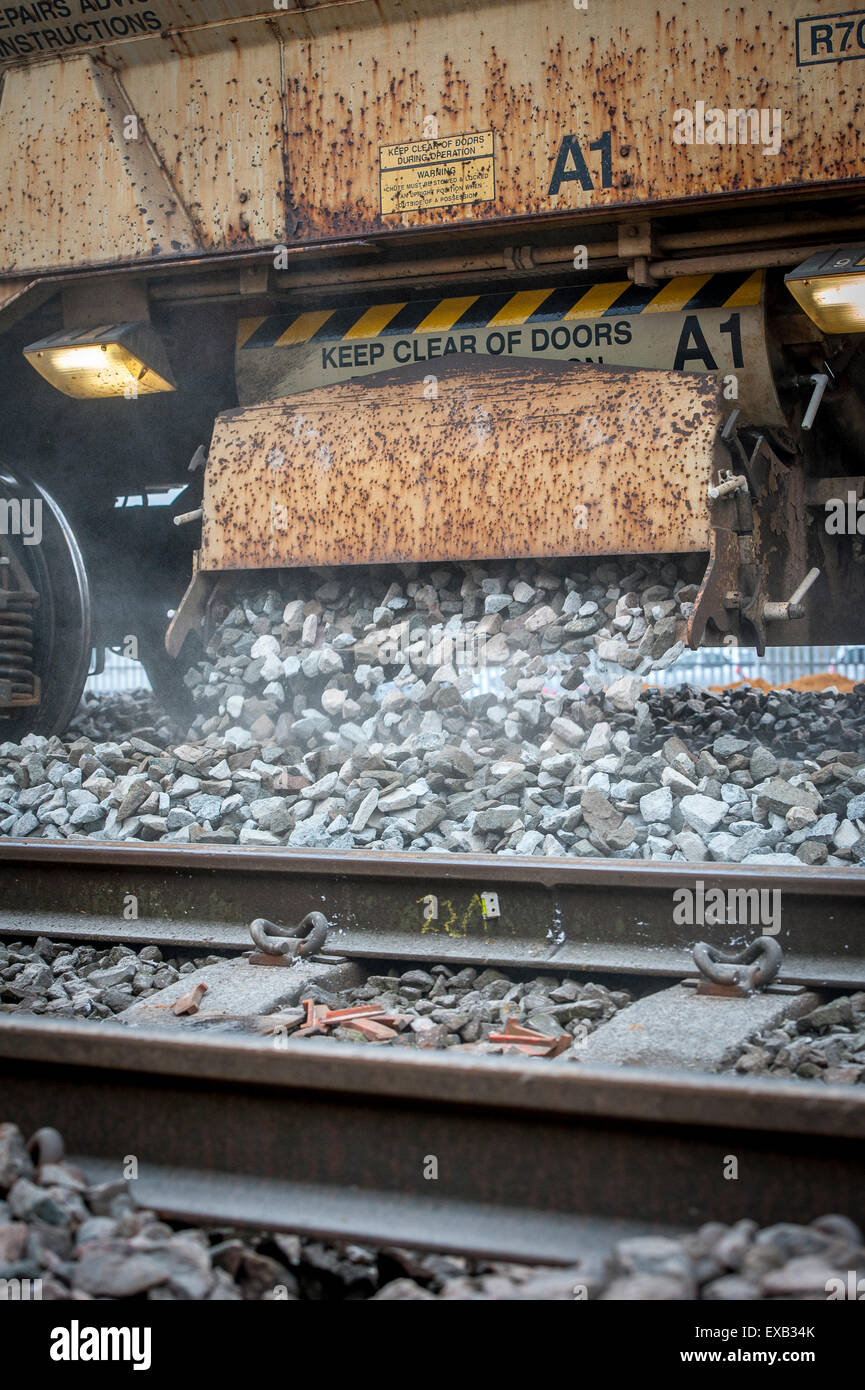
(437,173)
(703,323)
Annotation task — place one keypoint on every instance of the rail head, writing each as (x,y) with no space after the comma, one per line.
(486,1084)
(430,865)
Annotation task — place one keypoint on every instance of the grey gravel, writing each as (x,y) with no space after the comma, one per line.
(452,786)
(442,1007)
(825,1045)
(120,714)
(62,980)
(375,735)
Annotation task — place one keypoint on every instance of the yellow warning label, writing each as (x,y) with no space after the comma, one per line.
(437,173)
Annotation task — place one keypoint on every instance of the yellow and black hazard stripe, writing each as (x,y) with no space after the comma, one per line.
(612,299)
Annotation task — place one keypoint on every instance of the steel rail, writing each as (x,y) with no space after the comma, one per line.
(531,1162)
(609,916)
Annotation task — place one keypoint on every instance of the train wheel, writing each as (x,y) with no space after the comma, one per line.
(45,629)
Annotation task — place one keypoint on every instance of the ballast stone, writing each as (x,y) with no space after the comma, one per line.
(657,805)
(439,754)
(702,814)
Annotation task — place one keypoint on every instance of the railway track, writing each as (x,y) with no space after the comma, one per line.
(615,917)
(532,1162)
(535,1164)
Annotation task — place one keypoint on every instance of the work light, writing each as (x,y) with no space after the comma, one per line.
(831,289)
(121,359)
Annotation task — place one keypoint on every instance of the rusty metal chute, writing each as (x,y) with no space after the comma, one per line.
(484,459)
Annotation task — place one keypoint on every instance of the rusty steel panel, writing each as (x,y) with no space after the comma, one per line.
(73,27)
(66,197)
(391,116)
(581,105)
(171,159)
(488,459)
(217,123)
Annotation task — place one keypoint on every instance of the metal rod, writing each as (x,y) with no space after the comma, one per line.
(511,261)
(803,588)
(791,608)
(821,381)
(739,483)
(768,231)
(737,260)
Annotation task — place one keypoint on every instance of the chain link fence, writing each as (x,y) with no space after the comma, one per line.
(726,665)
(709,666)
(118,673)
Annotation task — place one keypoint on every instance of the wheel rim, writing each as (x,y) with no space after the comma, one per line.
(62,619)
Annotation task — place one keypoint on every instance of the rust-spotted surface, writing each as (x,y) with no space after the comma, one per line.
(550,82)
(509,459)
(255,131)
